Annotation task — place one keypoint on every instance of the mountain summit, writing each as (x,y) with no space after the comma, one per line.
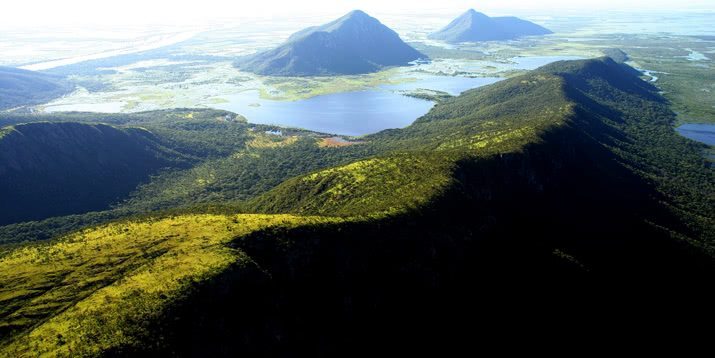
(475,26)
(353,44)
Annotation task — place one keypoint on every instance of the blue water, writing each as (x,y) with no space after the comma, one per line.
(369,111)
(534,62)
(451,84)
(704,133)
(349,113)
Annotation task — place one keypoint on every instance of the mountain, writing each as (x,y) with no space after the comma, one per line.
(474,26)
(353,44)
(21,87)
(616,54)
(561,195)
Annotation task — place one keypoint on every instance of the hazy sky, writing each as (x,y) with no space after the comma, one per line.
(37,12)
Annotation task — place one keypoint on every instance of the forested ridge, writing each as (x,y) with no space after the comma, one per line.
(540,193)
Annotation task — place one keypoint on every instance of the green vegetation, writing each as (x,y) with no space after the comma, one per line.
(98,165)
(616,54)
(686,83)
(96,289)
(199,132)
(53,169)
(372,186)
(296,88)
(238,177)
(437,52)
(429,95)
(689,90)
(567,174)
(4,131)
(473,125)
(20,87)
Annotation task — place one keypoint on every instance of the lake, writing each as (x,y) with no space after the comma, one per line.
(453,85)
(704,133)
(534,62)
(349,113)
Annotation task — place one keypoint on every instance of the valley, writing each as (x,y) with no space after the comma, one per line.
(353,185)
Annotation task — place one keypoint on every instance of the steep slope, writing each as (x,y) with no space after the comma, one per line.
(114,276)
(475,26)
(52,169)
(20,87)
(561,191)
(588,140)
(415,165)
(353,44)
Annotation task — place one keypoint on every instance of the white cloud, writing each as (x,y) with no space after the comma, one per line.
(73,12)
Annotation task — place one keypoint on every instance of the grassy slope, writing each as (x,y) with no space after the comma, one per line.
(34,303)
(92,291)
(621,116)
(585,148)
(417,162)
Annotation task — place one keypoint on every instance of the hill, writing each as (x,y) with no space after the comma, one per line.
(474,26)
(53,169)
(47,151)
(206,153)
(353,44)
(20,87)
(551,192)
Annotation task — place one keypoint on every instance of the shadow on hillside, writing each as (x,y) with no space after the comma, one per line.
(556,233)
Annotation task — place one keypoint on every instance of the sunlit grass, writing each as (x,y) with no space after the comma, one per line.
(93,290)
(271,141)
(379,185)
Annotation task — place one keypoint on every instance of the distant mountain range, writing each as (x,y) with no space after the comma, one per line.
(353,44)
(475,26)
(21,87)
